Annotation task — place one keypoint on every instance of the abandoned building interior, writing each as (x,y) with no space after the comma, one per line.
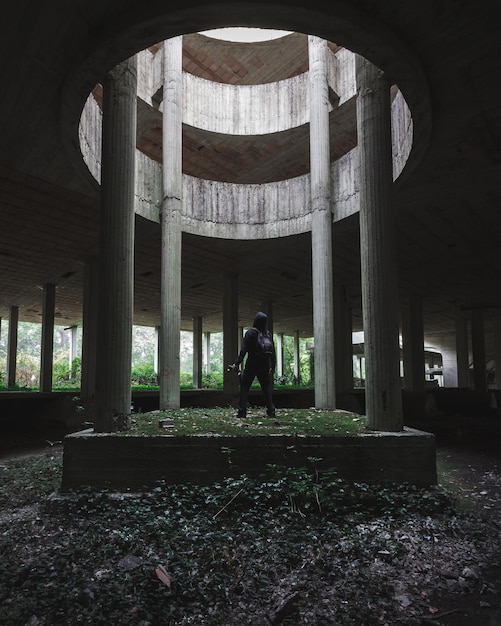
(181,166)
(340,173)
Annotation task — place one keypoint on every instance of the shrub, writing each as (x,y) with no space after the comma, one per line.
(144,374)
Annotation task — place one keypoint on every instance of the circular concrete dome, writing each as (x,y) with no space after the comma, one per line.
(147,24)
(246,137)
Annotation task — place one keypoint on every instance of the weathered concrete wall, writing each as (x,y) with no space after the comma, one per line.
(246,109)
(341,74)
(344,186)
(90,136)
(146,75)
(246,211)
(148,187)
(401,133)
(235,211)
(118,462)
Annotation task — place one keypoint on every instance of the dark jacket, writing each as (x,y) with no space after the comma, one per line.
(250,339)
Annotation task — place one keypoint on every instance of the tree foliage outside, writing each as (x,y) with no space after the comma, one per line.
(67,375)
(29,346)
(305,358)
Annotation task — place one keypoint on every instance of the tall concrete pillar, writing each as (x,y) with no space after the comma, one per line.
(230,335)
(73,351)
(377,246)
(267,307)
(449,360)
(297,361)
(12,346)
(89,332)
(462,351)
(280,355)
(156,349)
(47,347)
(413,344)
(116,249)
(478,350)
(360,368)
(413,355)
(455,354)
(207,352)
(197,352)
(170,298)
(343,342)
(497,352)
(321,226)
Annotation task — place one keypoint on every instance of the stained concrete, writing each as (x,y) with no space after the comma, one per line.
(132,462)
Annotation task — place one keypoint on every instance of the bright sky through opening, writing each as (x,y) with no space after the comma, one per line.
(245,34)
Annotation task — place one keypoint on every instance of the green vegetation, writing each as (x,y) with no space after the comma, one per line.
(143,376)
(290,548)
(223,421)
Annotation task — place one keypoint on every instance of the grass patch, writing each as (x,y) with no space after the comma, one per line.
(223,421)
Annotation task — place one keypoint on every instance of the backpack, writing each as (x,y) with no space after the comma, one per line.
(264,343)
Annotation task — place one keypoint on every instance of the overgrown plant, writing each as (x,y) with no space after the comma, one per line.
(233,552)
(223,421)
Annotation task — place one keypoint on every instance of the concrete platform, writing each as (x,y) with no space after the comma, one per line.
(133,462)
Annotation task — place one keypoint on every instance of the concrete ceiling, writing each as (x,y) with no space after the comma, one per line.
(448,209)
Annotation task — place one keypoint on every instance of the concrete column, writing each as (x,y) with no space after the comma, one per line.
(360,369)
(12,346)
(343,342)
(116,249)
(497,352)
(413,355)
(73,352)
(455,355)
(207,352)
(47,353)
(89,332)
(230,334)
(449,361)
(321,226)
(297,362)
(413,344)
(197,352)
(280,354)
(377,244)
(267,307)
(156,350)
(462,352)
(478,350)
(170,299)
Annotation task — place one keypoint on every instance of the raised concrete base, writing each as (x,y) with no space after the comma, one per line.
(121,462)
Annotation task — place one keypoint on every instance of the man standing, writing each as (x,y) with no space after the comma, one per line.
(261,361)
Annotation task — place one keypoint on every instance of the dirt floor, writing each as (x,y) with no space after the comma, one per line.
(471,468)
(469,465)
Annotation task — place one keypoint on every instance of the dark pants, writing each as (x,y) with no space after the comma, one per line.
(252,370)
